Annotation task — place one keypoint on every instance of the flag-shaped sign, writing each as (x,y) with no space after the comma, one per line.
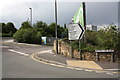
(79,16)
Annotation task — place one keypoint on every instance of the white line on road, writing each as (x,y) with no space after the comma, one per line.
(47,51)
(18,52)
(112,69)
(11,40)
(4,47)
(110,73)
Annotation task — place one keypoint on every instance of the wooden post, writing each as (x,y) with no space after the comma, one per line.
(112,57)
(97,56)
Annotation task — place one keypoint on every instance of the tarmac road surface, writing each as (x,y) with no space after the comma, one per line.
(15,65)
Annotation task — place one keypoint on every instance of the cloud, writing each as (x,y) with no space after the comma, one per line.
(97,12)
(102,12)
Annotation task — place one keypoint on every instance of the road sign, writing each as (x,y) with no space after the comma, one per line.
(75,31)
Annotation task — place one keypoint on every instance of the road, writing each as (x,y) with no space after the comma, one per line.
(15,65)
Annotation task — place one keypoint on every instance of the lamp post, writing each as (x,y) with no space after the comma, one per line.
(30,16)
(56,26)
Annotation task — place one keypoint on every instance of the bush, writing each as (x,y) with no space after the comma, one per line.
(102,40)
(6,34)
(27,36)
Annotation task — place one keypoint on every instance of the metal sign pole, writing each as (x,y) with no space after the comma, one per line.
(71,49)
(80,50)
(84,15)
(56,26)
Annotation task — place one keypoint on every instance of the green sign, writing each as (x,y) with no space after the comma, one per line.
(78,17)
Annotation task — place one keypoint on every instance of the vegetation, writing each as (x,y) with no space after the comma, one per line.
(109,39)
(25,25)
(49,30)
(7,30)
(102,39)
(28,34)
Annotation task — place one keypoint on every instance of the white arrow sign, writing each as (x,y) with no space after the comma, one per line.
(75,31)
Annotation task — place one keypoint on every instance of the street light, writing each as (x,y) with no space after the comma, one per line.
(30,16)
(56,26)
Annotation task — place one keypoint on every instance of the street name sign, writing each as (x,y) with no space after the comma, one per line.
(104,50)
(75,31)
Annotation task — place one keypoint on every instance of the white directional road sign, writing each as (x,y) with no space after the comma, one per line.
(75,31)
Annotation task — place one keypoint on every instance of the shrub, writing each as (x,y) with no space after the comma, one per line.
(6,34)
(27,36)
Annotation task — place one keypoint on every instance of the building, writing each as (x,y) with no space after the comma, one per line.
(103,27)
(118,29)
(91,27)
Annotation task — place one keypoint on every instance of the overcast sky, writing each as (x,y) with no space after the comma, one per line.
(97,13)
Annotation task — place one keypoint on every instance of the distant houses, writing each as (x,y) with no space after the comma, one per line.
(97,28)
(118,29)
(91,27)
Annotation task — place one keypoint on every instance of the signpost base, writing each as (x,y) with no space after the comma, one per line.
(80,50)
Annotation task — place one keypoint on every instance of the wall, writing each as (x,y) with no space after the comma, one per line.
(66,50)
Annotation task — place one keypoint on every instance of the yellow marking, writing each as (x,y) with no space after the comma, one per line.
(34,55)
(71,67)
(78,69)
(60,66)
(84,64)
(88,70)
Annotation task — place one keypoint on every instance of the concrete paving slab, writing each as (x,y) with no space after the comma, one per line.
(84,64)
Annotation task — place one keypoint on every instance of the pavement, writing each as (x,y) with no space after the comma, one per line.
(51,57)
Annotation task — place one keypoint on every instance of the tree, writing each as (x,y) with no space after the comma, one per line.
(51,30)
(10,28)
(65,26)
(117,44)
(25,25)
(91,37)
(2,27)
(40,24)
(60,30)
(41,27)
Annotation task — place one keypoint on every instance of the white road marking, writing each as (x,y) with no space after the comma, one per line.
(4,46)
(18,52)
(54,55)
(7,41)
(98,72)
(47,51)
(110,73)
(27,44)
(112,69)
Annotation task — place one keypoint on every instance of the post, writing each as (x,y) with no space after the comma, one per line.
(112,57)
(30,16)
(56,26)
(97,56)
(71,50)
(84,15)
(80,50)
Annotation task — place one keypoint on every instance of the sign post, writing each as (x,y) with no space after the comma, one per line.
(76,32)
